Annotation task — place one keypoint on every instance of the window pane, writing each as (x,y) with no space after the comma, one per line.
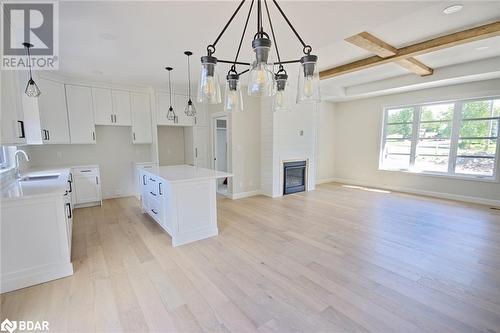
(399,131)
(398,147)
(432,155)
(437,112)
(433,147)
(480,147)
(475,166)
(396,162)
(479,128)
(432,163)
(481,109)
(439,130)
(402,115)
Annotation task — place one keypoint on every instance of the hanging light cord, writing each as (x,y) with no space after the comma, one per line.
(281,69)
(170,88)
(189,79)
(29,62)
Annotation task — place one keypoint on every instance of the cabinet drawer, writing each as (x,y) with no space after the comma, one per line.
(154,210)
(85,171)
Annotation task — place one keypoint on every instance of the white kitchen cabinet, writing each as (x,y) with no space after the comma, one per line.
(12,116)
(196,146)
(87,186)
(80,114)
(201,118)
(54,124)
(121,108)
(141,118)
(103,106)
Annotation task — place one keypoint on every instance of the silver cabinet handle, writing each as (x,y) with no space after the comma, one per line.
(153,194)
(159,189)
(97,180)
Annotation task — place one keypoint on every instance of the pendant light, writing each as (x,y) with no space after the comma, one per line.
(308,82)
(209,86)
(190,110)
(170,113)
(281,98)
(233,98)
(32,89)
(262,81)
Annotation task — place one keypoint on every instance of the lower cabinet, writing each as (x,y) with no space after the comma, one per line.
(86,186)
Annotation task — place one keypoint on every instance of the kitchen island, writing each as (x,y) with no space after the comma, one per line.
(182,200)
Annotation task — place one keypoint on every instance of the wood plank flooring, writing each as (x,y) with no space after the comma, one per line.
(337,259)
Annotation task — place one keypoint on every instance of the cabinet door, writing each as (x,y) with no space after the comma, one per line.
(162,105)
(121,108)
(53,114)
(200,139)
(87,189)
(201,115)
(12,117)
(103,106)
(180,104)
(141,118)
(80,113)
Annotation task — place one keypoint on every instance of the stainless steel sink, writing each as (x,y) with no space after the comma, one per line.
(39,177)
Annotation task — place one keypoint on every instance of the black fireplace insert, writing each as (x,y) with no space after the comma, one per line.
(294,177)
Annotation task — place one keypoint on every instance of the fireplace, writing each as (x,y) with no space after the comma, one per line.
(294,177)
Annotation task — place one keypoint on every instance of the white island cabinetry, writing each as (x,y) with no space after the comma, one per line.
(182,200)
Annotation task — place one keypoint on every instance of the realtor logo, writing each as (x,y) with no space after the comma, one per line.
(31,22)
(8,326)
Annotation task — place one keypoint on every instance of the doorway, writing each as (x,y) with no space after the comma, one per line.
(220,153)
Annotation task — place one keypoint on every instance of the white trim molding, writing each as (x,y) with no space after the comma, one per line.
(241,195)
(441,195)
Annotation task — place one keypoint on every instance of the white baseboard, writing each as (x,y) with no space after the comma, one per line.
(242,195)
(441,195)
(325,180)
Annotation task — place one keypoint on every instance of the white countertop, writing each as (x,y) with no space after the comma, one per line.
(37,188)
(183,173)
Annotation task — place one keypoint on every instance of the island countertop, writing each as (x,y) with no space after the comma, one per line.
(183,173)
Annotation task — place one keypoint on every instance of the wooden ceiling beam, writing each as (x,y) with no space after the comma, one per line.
(431,45)
(367,41)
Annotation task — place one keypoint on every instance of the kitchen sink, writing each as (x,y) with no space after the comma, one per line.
(39,177)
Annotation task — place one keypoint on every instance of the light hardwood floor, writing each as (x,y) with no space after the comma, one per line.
(333,260)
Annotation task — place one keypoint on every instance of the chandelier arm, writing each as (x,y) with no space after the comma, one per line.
(259,17)
(243,72)
(272,31)
(292,27)
(228,23)
(244,31)
(233,62)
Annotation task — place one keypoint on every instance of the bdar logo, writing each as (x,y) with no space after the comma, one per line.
(8,326)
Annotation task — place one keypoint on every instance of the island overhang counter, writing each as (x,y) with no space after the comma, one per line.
(182,199)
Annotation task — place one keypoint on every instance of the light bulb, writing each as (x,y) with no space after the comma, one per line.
(280,99)
(209,88)
(232,100)
(308,86)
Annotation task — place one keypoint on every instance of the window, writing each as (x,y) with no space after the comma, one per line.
(452,138)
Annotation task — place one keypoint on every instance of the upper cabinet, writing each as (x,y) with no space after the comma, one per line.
(54,124)
(121,108)
(12,116)
(141,118)
(80,114)
(103,106)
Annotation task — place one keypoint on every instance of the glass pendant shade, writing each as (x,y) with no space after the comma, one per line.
(32,89)
(261,76)
(308,83)
(281,101)
(209,85)
(190,110)
(233,98)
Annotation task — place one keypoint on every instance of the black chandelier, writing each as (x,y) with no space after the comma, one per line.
(262,80)
(32,89)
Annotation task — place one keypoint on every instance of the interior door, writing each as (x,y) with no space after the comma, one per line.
(80,114)
(53,112)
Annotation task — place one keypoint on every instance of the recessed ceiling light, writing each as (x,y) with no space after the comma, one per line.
(482,48)
(108,36)
(452,9)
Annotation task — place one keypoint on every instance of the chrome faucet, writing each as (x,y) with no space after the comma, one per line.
(16,156)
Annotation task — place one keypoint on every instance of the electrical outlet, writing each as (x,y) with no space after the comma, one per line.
(301,133)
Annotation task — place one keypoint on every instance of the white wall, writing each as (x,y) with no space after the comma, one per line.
(325,156)
(357,133)
(113,152)
(170,145)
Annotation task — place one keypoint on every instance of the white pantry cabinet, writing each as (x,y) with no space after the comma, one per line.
(87,186)
(121,108)
(103,106)
(12,116)
(54,124)
(80,114)
(196,146)
(141,118)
